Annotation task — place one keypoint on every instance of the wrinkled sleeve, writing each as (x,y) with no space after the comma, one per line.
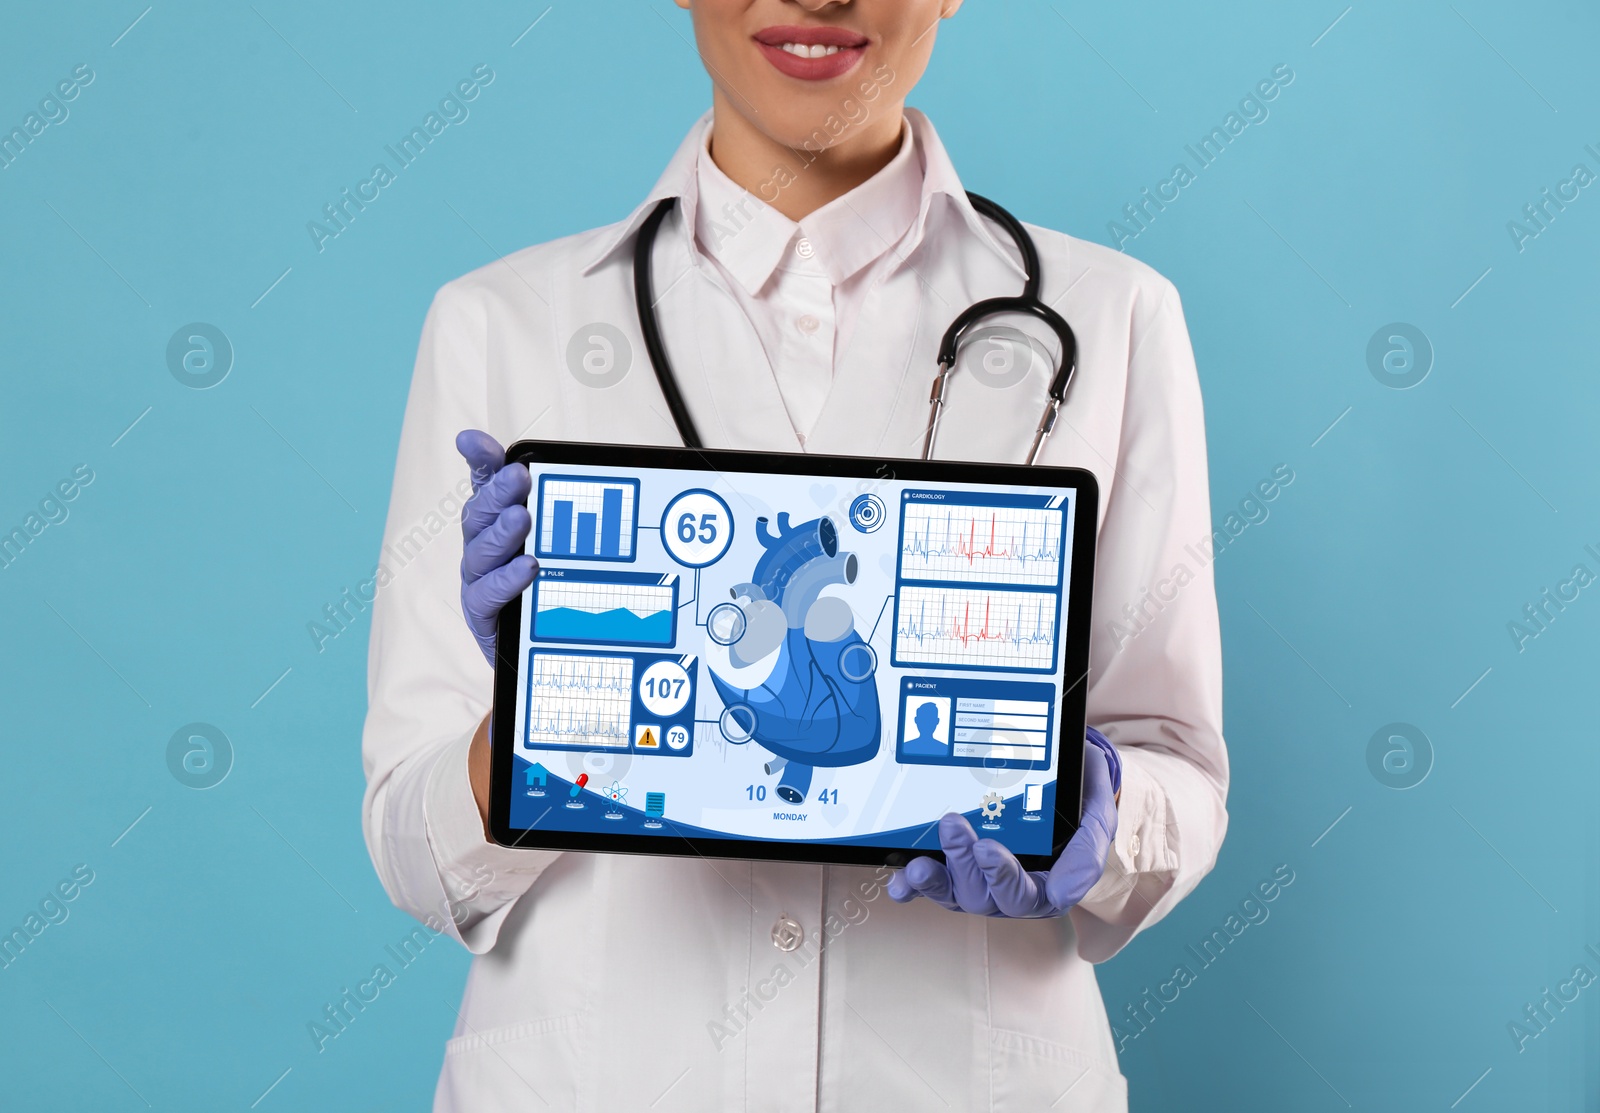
(428,685)
(1155,685)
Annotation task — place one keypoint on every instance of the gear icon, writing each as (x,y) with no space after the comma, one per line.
(993,805)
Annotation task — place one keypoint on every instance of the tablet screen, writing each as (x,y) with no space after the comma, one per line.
(797,658)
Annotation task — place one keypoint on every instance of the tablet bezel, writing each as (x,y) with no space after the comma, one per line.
(1068,808)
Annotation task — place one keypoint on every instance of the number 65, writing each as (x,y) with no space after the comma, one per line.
(708,528)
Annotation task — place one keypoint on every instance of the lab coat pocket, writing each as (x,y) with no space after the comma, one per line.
(515,1067)
(1028,1073)
(1050,1043)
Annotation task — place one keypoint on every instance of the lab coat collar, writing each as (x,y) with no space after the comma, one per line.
(751,239)
(735,227)
(940,183)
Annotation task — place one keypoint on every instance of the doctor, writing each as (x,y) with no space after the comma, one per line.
(820,243)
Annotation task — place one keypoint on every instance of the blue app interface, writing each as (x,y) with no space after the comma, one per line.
(797,658)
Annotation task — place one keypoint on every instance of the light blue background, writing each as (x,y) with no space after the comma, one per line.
(1379,589)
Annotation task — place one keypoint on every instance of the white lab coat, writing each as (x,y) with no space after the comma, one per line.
(612,982)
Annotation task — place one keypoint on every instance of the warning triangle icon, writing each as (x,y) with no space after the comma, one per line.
(648,738)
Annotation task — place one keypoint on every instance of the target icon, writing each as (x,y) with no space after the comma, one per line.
(867,513)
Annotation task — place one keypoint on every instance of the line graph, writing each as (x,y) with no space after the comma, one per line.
(974,628)
(1012,545)
(579,700)
(621,613)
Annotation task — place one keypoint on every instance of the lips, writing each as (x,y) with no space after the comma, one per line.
(812,53)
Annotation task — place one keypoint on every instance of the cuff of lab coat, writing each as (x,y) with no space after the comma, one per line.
(1111,912)
(482,879)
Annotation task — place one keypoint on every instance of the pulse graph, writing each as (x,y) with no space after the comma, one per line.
(624,611)
(974,628)
(579,700)
(1012,545)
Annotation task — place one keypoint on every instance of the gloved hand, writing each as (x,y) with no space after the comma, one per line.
(494,528)
(982,877)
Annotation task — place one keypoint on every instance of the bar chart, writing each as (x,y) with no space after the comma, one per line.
(586,518)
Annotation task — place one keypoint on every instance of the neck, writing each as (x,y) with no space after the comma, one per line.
(803,180)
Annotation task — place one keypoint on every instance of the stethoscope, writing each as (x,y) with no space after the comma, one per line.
(1027,302)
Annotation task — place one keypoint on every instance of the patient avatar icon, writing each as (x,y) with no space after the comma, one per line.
(930,718)
(793,673)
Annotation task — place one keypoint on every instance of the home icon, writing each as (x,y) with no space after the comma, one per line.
(537,775)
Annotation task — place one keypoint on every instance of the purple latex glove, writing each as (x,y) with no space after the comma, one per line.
(982,877)
(494,528)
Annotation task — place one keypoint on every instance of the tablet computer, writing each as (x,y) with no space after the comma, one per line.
(796,657)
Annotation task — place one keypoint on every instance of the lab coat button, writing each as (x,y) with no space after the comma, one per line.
(786,934)
(804,248)
(807,324)
(1133,845)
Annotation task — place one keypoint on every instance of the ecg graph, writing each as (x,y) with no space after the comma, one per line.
(974,628)
(981,544)
(579,700)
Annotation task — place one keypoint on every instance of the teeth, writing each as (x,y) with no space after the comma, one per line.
(801,51)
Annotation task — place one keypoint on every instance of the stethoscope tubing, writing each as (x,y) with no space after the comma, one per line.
(1027,303)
